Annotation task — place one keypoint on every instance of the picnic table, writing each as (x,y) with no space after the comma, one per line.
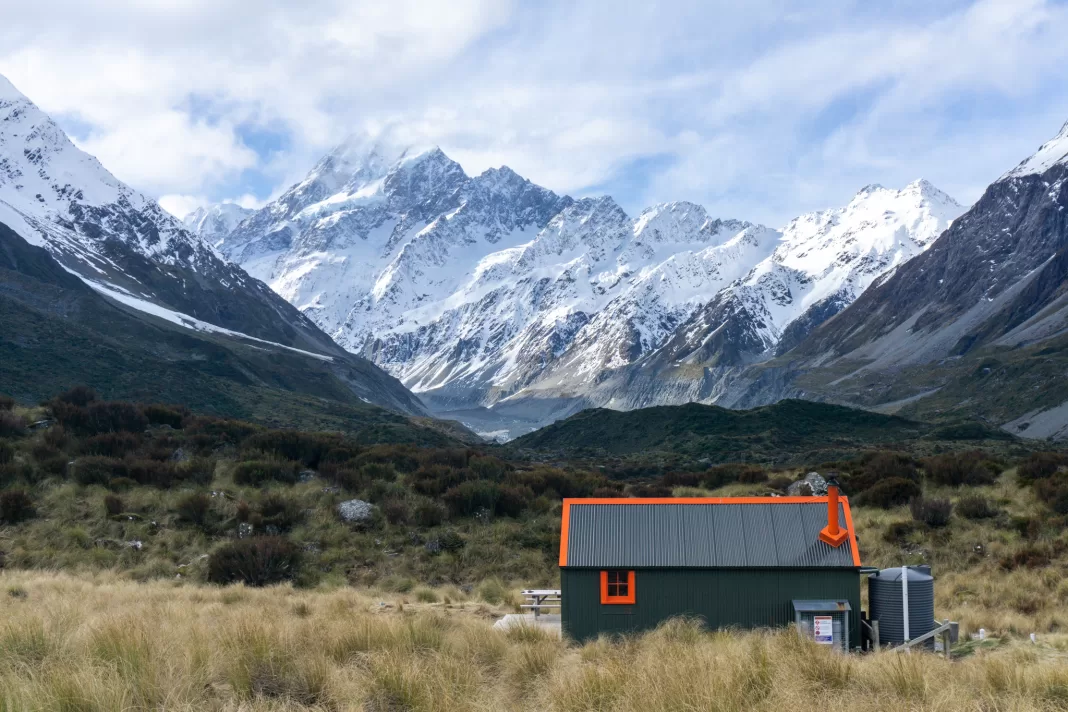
(538,598)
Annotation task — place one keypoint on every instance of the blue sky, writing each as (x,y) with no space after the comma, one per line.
(759,110)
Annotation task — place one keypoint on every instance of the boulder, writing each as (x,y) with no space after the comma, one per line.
(355,510)
(813,485)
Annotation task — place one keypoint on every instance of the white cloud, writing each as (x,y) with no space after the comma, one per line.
(763,113)
(181,205)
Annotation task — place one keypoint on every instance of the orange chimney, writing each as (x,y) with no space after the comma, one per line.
(833,534)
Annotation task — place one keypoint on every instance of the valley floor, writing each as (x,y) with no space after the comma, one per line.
(101,643)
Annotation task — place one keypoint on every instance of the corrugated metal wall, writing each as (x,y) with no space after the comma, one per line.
(743,598)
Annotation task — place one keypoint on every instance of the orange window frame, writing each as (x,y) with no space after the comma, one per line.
(617,600)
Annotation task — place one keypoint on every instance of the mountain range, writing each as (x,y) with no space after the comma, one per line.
(143,261)
(389,277)
(508,306)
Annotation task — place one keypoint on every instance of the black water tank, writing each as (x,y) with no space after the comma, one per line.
(885,603)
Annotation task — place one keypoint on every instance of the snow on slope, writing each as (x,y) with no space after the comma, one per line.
(837,254)
(471,290)
(1048,155)
(215,222)
(57,189)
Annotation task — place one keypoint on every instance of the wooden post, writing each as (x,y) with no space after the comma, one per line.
(945,638)
(875,635)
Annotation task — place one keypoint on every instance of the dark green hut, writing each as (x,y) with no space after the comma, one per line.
(626,565)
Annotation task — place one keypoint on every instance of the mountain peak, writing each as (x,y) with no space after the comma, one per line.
(1049,154)
(870,188)
(8,92)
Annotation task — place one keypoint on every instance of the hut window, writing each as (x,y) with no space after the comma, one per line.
(617,586)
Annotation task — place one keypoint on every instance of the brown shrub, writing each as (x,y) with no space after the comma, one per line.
(6,402)
(194,509)
(974,506)
(113,505)
(16,506)
(258,472)
(395,511)
(888,493)
(11,425)
(428,513)
(111,444)
(258,561)
(961,468)
(1040,465)
(932,512)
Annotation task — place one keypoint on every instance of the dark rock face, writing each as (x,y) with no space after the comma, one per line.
(1018,224)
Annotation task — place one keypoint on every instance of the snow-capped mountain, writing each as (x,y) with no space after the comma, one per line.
(974,326)
(491,291)
(215,222)
(816,266)
(122,243)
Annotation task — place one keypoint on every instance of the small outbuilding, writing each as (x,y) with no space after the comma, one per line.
(627,565)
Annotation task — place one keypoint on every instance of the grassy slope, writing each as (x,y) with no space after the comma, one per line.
(777,433)
(56,334)
(100,644)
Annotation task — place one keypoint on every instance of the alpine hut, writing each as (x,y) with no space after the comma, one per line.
(626,565)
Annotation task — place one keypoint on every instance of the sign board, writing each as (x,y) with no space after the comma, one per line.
(823,629)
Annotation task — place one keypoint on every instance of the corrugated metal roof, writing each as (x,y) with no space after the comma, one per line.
(722,534)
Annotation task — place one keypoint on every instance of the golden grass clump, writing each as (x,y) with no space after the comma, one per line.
(101,643)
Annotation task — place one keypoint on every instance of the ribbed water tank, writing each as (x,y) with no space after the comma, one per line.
(885,603)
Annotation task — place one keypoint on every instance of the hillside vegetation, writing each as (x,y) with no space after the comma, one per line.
(787,432)
(117,519)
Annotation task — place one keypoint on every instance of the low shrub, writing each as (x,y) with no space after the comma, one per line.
(974,506)
(165,415)
(97,470)
(961,468)
(649,491)
(306,448)
(98,417)
(1053,492)
(258,561)
(721,475)
(468,498)
(111,444)
(11,425)
(349,480)
(780,483)
(7,453)
(428,513)
(55,466)
(194,509)
(56,436)
(875,468)
(752,476)
(153,472)
(16,506)
(899,532)
(932,512)
(435,480)
(1029,557)
(888,493)
(6,402)
(1040,465)
(80,396)
(257,472)
(395,511)
(113,505)
(277,510)
(378,471)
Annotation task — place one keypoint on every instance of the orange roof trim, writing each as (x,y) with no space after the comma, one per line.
(566,518)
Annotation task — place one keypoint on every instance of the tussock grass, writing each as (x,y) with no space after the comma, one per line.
(101,643)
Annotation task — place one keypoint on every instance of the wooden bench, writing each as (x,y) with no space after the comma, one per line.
(540,599)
